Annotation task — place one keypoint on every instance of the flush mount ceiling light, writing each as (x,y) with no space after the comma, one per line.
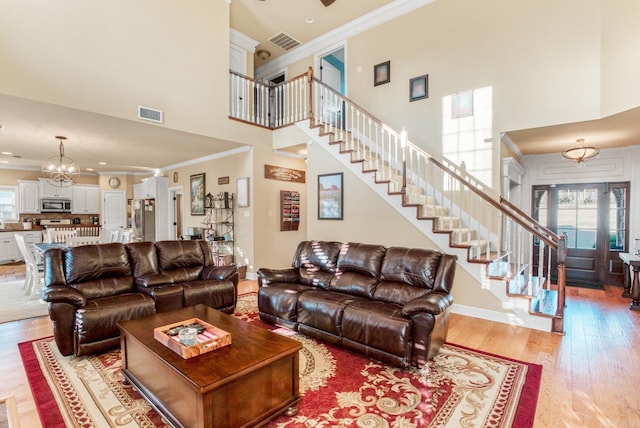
(60,170)
(263,54)
(580,153)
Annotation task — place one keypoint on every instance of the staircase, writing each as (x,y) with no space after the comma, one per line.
(506,250)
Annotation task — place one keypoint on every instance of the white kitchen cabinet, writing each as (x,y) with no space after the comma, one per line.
(149,187)
(9,251)
(85,199)
(29,196)
(48,190)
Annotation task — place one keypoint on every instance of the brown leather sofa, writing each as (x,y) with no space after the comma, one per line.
(91,288)
(387,303)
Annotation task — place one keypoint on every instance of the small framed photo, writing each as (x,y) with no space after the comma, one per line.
(382,73)
(419,88)
(197,183)
(330,194)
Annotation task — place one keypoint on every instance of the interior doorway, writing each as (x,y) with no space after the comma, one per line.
(595,219)
(176,212)
(330,66)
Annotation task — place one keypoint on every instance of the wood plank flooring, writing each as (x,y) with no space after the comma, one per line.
(591,375)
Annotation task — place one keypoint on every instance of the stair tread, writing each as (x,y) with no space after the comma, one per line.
(545,304)
(525,286)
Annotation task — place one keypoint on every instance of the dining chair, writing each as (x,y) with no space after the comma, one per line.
(34,273)
(60,236)
(114,236)
(75,241)
(126,236)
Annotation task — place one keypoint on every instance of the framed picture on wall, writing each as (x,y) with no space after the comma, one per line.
(419,88)
(197,182)
(330,196)
(382,73)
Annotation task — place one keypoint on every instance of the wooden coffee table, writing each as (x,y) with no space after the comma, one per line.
(243,384)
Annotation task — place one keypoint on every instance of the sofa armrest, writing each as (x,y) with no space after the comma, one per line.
(64,294)
(153,280)
(267,276)
(433,303)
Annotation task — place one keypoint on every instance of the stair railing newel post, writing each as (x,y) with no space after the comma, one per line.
(562,277)
(310,82)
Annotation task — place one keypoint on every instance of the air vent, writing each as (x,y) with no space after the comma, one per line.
(284,41)
(147,113)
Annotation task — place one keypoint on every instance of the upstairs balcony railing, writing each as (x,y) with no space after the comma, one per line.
(510,242)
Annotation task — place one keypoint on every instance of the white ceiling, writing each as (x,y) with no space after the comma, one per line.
(30,127)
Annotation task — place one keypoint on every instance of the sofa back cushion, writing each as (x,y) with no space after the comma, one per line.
(182,260)
(98,270)
(358,269)
(407,273)
(143,258)
(316,262)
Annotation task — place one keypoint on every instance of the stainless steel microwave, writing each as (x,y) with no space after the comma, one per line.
(55,205)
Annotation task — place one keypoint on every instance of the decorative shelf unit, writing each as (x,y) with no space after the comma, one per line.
(219,231)
(289,210)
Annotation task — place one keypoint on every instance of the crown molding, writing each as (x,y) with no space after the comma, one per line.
(241,40)
(363,23)
(195,161)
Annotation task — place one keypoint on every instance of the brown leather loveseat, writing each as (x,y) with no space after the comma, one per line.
(387,303)
(91,288)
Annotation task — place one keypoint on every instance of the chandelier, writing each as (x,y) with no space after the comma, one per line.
(60,170)
(580,153)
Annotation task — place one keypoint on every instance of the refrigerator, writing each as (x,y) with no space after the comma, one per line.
(144,220)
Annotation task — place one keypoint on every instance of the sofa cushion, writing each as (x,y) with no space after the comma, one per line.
(88,262)
(377,325)
(98,320)
(279,300)
(316,262)
(413,266)
(179,254)
(213,293)
(357,269)
(105,287)
(322,310)
(144,260)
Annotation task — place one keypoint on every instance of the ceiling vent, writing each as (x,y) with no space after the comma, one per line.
(150,114)
(284,41)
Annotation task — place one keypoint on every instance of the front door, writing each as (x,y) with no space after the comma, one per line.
(595,219)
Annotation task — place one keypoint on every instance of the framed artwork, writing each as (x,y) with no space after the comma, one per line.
(197,182)
(242,190)
(419,88)
(462,105)
(382,73)
(330,196)
(223,180)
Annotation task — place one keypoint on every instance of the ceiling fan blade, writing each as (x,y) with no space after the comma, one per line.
(327,2)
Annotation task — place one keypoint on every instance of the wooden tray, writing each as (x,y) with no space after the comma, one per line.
(210,339)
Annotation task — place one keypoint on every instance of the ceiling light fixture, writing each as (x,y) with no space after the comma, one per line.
(580,153)
(60,170)
(263,54)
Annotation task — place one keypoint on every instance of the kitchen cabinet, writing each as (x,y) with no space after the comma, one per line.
(9,251)
(29,196)
(85,199)
(48,190)
(150,188)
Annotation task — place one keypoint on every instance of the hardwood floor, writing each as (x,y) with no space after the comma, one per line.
(589,376)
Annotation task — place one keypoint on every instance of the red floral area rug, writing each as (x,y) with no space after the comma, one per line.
(461,387)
